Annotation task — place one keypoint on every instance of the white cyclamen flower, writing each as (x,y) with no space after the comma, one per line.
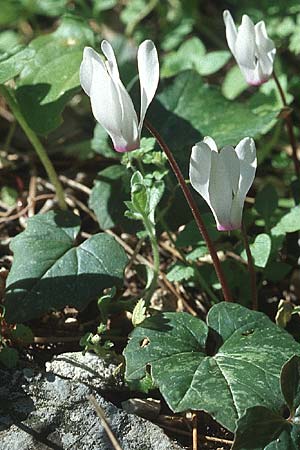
(223,178)
(111,104)
(253,50)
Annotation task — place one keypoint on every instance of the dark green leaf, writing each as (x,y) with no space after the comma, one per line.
(13,65)
(51,77)
(277,271)
(100,143)
(180,272)
(49,271)
(266,202)
(234,83)
(260,250)
(289,223)
(258,427)
(243,372)
(21,334)
(204,107)
(9,357)
(290,383)
(212,62)
(107,198)
(191,234)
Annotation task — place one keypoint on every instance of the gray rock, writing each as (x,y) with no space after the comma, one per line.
(88,369)
(51,411)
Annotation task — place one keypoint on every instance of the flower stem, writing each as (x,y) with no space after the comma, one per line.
(155,252)
(251,268)
(289,127)
(37,145)
(194,209)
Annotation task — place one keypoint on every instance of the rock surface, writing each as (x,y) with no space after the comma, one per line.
(51,410)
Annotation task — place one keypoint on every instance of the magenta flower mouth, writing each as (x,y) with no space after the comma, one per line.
(128,148)
(227,227)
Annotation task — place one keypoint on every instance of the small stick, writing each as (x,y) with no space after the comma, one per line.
(187,433)
(195,431)
(31,195)
(251,268)
(104,422)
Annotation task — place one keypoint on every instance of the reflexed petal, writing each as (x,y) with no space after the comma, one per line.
(231,162)
(236,213)
(265,50)
(148,67)
(106,104)
(86,68)
(211,143)
(263,42)
(200,166)
(246,153)
(129,121)
(231,33)
(245,43)
(109,54)
(220,192)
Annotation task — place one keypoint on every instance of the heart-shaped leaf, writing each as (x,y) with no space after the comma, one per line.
(50,271)
(260,250)
(261,428)
(205,108)
(243,371)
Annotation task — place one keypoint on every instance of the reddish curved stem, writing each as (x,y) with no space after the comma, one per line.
(289,127)
(195,211)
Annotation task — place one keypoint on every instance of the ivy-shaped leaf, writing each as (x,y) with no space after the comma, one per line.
(243,371)
(211,114)
(50,271)
(263,429)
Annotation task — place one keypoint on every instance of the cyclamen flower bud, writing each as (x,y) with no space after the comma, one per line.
(224,178)
(253,50)
(111,104)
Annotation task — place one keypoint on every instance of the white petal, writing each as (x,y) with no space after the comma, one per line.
(211,143)
(148,67)
(128,126)
(263,42)
(200,165)
(231,33)
(220,191)
(246,153)
(231,162)
(109,54)
(86,68)
(105,103)
(245,44)
(265,50)
(236,213)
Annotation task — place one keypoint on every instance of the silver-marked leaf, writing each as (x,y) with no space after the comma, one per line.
(51,271)
(242,372)
(211,114)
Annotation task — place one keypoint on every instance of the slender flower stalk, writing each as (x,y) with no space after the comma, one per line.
(289,127)
(155,252)
(37,145)
(194,209)
(251,269)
